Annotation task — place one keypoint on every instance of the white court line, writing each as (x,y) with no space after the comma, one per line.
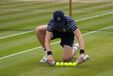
(16,34)
(76,20)
(89,1)
(11,55)
(95,16)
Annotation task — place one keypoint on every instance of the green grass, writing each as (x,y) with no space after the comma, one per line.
(21,16)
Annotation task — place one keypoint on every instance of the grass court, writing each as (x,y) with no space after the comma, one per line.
(20,51)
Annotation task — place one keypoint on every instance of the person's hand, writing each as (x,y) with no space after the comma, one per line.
(50,59)
(82,58)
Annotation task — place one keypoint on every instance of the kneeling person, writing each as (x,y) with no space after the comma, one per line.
(65,28)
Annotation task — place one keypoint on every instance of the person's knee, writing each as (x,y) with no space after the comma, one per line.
(67,59)
(40,29)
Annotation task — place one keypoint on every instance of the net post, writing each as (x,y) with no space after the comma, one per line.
(70,7)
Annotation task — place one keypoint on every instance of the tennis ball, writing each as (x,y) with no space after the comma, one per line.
(74,64)
(57,64)
(70,64)
(65,64)
(61,63)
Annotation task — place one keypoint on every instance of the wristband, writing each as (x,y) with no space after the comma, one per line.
(49,53)
(82,51)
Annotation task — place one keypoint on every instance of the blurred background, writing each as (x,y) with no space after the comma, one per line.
(20,51)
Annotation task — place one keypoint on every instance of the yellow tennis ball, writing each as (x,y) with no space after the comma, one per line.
(65,64)
(57,64)
(70,64)
(61,63)
(74,64)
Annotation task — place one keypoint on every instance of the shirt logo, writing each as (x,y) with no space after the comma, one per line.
(64,29)
(58,18)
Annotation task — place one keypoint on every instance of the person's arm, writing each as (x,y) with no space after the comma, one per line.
(48,48)
(82,58)
(80,39)
(48,40)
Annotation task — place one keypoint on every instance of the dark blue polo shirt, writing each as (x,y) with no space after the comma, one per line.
(69,25)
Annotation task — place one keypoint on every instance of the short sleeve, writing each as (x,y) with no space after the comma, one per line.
(50,26)
(73,25)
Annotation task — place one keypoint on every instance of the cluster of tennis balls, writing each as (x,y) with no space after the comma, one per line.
(66,64)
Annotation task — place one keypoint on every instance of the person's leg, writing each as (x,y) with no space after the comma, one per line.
(69,52)
(67,40)
(75,48)
(40,33)
(67,55)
